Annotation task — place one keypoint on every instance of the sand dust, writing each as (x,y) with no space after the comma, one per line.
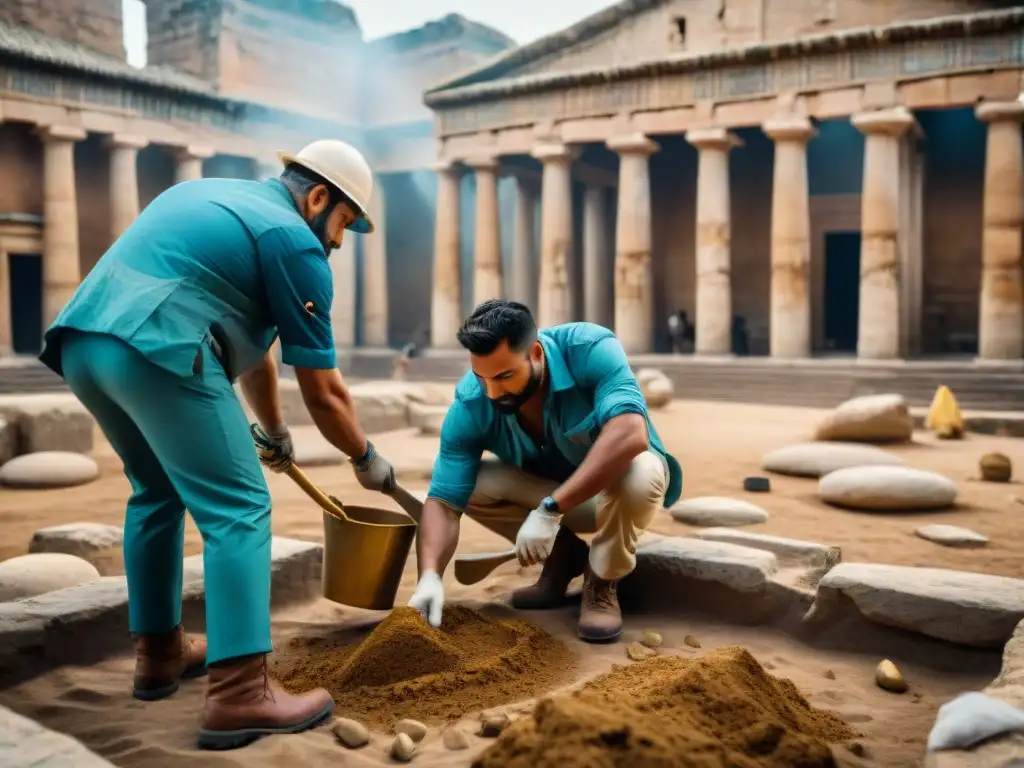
(406,668)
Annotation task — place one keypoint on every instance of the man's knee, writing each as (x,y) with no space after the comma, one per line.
(643,486)
(495,482)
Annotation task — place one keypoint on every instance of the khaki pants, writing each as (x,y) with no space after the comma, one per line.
(505,495)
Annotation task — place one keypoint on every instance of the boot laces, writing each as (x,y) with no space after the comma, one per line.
(268,692)
(601,593)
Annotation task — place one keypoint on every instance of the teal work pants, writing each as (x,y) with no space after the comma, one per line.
(185,444)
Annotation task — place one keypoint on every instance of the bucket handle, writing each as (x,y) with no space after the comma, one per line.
(329,505)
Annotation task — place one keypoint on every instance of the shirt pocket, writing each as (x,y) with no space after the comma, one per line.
(585,432)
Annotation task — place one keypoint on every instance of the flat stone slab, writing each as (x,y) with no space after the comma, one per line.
(313,450)
(788,551)
(711,511)
(48,469)
(427,418)
(952,536)
(819,458)
(54,421)
(28,576)
(24,743)
(78,539)
(972,609)
(739,568)
(887,489)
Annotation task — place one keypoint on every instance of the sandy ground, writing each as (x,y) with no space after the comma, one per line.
(717,445)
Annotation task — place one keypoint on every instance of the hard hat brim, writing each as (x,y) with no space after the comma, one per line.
(363,224)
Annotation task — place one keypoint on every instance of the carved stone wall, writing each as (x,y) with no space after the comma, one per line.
(96,24)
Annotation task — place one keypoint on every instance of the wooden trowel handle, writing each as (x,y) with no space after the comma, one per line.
(469,569)
(326,502)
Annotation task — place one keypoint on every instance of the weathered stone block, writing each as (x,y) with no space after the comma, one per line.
(24,743)
(49,422)
(78,539)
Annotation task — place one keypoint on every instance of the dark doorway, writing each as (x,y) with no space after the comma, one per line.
(842,290)
(26,271)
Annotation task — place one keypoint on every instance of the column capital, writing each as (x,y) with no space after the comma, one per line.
(551,152)
(892,122)
(125,140)
(484,162)
(194,152)
(713,138)
(449,167)
(795,128)
(1000,111)
(60,133)
(632,144)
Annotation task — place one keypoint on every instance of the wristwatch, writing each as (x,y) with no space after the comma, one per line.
(550,505)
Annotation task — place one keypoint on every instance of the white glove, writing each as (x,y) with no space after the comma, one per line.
(428,598)
(536,536)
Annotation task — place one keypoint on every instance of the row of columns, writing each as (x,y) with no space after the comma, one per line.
(887,254)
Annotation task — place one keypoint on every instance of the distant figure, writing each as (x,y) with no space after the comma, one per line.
(402,360)
(740,336)
(680,332)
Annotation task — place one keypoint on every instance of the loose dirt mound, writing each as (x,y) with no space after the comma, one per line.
(406,668)
(721,710)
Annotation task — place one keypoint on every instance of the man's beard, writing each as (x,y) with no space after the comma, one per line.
(319,227)
(510,404)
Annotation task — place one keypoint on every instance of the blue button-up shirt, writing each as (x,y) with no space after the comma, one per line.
(589,383)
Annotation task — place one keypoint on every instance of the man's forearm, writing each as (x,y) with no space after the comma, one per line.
(621,440)
(259,386)
(335,416)
(437,537)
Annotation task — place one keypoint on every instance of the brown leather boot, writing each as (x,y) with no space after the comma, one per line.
(567,560)
(600,617)
(243,704)
(162,660)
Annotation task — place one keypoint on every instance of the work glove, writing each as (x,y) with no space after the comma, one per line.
(373,471)
(274,446)
(428,598)
(536,536)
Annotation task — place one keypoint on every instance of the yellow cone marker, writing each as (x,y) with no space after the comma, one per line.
(944,416)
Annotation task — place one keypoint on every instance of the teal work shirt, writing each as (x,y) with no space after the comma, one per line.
(590,382)
(228,254)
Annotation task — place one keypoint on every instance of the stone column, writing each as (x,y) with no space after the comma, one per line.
(524,255)
(124,181)
(62,269)
(487,249)
(790,330)
(6,330)
(446,302)
(1001,312)
(554,303)
(343,308)
(634,283)
(878,330)
(189,162)
(597,258)
(375,273)
(713,320)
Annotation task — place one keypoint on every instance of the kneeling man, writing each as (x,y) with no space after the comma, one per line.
(576,454)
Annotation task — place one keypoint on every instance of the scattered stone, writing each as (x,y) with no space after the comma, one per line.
(708,511)
(656,386)
(691,641)
(402,748)
(661,562)
(78,539)
(889,678)
(887,489)
(36,574)
(806,553)
(414,729)
(830,675)
(638,652)
(24,743)
(8,440)
(454,739)
(944,417)
(382,405)
(491,726)
(651,639)
(857,748)
(869,419)
(427,418)
(351,733)
(52,421)
(996,468)
(952,536)
(756,484)
(817,459)
(48,469)
(973,609)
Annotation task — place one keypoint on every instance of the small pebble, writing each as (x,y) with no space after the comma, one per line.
(350,733)
(829,674)
(414,729)
(857,748)
(651,639)
(889,678)
(454,739)
(691,641)
(637,652)
(402,748)
(492,725)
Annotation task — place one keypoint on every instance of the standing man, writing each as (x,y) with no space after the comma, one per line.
(577,453)
(190,297)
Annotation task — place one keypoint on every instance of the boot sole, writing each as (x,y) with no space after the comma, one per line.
(598,637)
(223,740)
(156,694)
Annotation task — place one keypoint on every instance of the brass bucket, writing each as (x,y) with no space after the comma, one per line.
(365,549)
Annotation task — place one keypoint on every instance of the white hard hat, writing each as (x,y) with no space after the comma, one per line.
(344,167)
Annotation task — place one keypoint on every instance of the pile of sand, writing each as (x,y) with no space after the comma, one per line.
(721,710)
(406,668)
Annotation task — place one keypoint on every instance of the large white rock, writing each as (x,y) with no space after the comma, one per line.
(78,539)
(48,469)
(35,574)
(8,440)
(740,568)
(974,609)
(710,511)
(382,405)
(427,418)
(869,419)
(952,536)
(817,459)
(49,422)
(656,387)
(887,489)
(24,743)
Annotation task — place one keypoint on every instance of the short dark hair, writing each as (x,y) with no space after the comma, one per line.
(300,180)
(495,321)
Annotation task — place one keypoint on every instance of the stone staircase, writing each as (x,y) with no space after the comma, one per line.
(17,376)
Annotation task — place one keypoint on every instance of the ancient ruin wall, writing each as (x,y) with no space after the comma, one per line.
(96,24)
